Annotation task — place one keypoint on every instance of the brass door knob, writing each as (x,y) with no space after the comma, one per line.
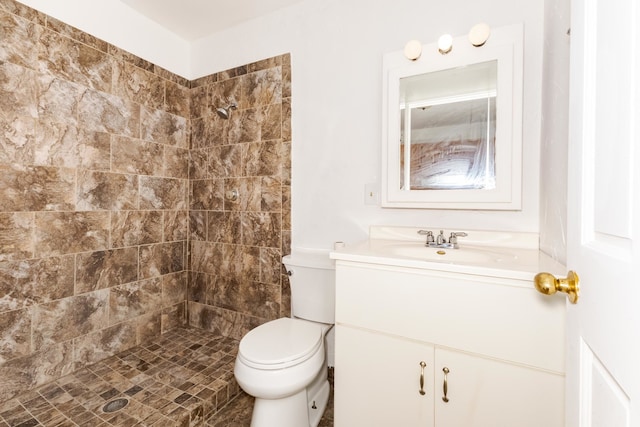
(548,284)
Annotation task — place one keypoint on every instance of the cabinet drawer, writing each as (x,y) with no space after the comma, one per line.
(501,318)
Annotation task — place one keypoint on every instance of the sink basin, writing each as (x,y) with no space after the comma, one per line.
(461,255)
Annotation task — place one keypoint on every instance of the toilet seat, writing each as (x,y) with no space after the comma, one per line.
(280,344)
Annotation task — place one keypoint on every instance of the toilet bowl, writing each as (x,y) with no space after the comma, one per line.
(283,363)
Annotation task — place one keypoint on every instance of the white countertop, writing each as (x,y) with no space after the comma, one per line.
(499,254)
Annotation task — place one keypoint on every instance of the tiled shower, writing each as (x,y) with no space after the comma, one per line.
(117,216)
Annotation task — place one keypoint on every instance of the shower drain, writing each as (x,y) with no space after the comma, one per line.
(115,405)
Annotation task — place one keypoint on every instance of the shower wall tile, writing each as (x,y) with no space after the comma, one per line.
(64,145)
(160,259)
(286,120)
(133,228)
(99,345)
(249,191)
(17,135)
(198,163)
(58,100)
(134,299)
(60,233)
(271,190)
(35,281)
(246,297)
(165,128)
(94,169)
(103,112)
(129,58)
(16,231)
(225,161)
(175,225)
(36,188)
(261,229)
(176,162)
(74,61)
(162,193)
(68,318)
(263,87)
(15,334)
(228,323)
(106,191)
(177,99)
(235,280)
(197,225)
(20,38)
(76,34)
(199,286)
(18,92)
(173,317)
(105,269)
(270,265)
(148,326)
(209,131)
(224,227)
(140,86)
(263,158)
(174,288)
(137,156)
(245,126)
(25,373)
(206,194)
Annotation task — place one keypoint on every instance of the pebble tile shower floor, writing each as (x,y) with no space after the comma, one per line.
(183,378)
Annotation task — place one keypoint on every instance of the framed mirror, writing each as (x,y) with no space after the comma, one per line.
(452,128)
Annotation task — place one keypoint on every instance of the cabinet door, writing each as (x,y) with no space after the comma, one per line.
(377,380)
(484,392)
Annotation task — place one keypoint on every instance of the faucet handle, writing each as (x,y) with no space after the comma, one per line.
(429,235)
(453,238)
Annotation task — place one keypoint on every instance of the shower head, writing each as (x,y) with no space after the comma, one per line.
(226,112)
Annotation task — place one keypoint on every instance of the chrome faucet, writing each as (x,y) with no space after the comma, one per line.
(440,241)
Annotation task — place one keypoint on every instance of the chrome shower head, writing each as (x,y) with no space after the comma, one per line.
(226,112)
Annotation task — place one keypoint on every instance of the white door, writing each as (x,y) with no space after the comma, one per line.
(603,328)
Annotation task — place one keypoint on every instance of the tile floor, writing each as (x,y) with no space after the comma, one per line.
(183,379)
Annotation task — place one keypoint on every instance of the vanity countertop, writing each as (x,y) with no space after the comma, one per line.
(508,255)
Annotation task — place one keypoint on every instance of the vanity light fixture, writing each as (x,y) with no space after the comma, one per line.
(445,44)
(413,50)
(479,34)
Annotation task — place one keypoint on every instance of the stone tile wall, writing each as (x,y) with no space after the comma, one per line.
(94,149)
(113,174)
(236,246)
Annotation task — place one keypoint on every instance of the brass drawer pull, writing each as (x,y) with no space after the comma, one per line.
(444,385)
(422,366)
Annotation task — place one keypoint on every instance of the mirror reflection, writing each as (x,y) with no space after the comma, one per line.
(447,129)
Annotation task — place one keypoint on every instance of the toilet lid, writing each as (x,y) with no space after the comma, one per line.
(280,343)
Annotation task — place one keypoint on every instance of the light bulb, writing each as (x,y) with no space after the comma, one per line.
(479,34)
(445,44)
(413,50)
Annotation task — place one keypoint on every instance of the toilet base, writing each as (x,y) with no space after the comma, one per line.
(286,412)
(321,399)
(304,408)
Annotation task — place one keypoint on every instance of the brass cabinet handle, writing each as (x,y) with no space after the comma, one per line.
(422,366)
(444,385)
(547,284)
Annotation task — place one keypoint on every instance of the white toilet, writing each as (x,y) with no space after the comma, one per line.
(283,363)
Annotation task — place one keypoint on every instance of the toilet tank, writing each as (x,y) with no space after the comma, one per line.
(313,285)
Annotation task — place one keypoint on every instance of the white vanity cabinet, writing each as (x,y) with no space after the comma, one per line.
(501,341)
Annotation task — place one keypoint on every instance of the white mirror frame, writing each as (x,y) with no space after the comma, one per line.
(504,45)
